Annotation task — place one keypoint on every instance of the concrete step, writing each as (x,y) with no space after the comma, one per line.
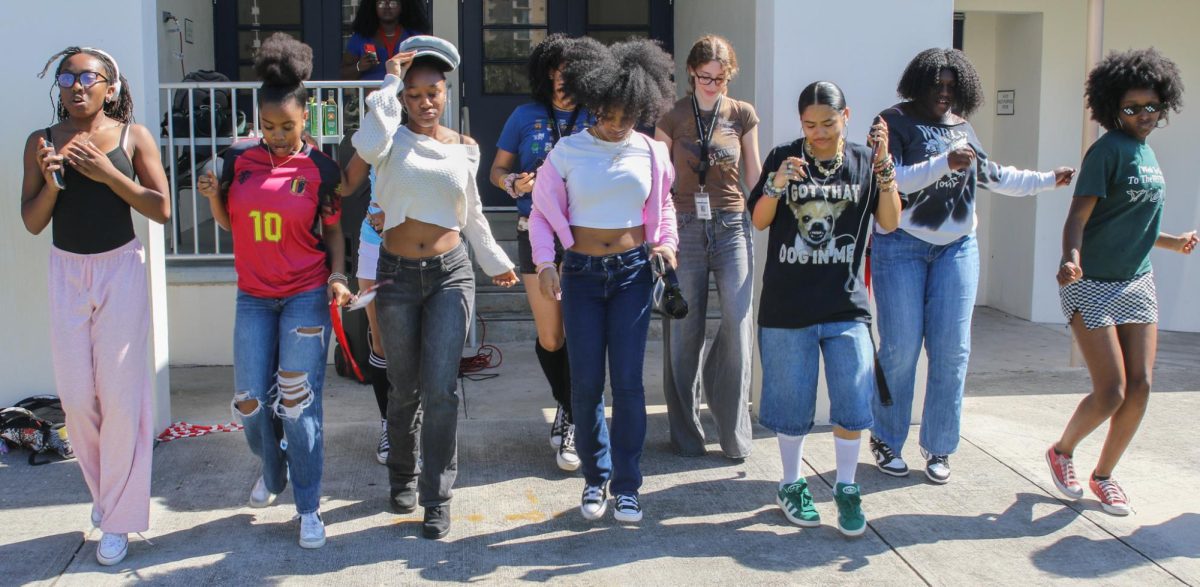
(500,327)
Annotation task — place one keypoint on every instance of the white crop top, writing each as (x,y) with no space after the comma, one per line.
(607,183)
(425,180)
(419,177)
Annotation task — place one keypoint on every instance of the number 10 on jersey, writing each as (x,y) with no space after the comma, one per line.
(268,226)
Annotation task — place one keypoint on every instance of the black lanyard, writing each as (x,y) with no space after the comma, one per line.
(705,137)
(558,134)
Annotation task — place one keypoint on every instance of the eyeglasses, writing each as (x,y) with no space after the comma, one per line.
(1148,108)
(704,80)
(392,3)
(87,79)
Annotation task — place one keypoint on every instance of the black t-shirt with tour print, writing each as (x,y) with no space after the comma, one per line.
(817,241)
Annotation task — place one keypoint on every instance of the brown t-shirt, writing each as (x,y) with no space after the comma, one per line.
(722,183)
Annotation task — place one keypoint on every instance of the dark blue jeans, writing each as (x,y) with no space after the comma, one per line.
(423,316)
(606,313)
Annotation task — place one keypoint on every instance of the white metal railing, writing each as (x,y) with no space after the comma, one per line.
(186,156)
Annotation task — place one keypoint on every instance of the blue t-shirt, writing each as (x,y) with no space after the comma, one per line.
(355,46)
(528,135)
(367,234)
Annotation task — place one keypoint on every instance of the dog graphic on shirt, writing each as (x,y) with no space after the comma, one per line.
(815,220)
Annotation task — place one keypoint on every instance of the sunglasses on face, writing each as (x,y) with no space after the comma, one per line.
(704,80)
(1147,108)
(86,79)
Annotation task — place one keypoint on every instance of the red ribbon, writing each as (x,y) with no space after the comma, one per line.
(335,316)
(186,430)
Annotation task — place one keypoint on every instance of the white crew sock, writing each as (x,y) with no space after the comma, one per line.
(846,451)
(791,452)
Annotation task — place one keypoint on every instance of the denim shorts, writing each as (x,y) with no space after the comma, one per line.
(789,375)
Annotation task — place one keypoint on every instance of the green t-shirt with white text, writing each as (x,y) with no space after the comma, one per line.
(1124,174)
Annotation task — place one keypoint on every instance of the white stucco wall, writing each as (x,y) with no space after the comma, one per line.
(29,33)
(199,53)
(1058,132)
(696,18)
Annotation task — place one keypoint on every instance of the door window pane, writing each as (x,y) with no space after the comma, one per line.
(619,12)
(269,12)
(501,12)
(610,37)
(511,44)
(248,43)
(505,78)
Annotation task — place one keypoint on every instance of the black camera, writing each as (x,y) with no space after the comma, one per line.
(668,298)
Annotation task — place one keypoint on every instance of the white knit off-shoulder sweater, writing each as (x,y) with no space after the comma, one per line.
(418,177)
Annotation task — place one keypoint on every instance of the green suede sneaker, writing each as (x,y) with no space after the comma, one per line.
(797,504)
(851,520)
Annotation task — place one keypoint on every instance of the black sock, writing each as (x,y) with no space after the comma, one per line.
(1099,478)
(558,374)
(379,380)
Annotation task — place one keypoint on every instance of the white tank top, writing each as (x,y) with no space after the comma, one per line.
(607,183)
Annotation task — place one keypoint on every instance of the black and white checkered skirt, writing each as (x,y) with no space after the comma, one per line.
(1109,303)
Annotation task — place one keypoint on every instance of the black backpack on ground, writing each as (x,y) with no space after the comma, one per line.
(207,106)
(37,423)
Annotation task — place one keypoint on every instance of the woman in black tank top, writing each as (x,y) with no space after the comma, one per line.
(81,173)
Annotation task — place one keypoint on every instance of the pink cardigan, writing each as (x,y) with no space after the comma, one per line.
(551,216)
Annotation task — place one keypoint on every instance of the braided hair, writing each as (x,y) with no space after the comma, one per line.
(922,73)
(633,75)
(284,64)
(119,109)
(1134,69)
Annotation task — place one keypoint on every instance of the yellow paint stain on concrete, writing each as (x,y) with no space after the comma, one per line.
(474,518)
(534,516)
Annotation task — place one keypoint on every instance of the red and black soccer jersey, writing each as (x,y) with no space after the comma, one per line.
(276,209)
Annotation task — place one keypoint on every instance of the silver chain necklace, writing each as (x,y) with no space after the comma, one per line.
(619,149)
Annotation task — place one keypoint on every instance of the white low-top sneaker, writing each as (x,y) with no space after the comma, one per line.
(312,530)
(260,496)
(96,517)
(112,549)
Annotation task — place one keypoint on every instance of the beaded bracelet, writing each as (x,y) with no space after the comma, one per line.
(337,277)
(510,185)
(769,189)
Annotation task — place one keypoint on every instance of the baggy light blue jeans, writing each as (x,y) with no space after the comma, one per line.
(721,246)
(924,294)
(271,337)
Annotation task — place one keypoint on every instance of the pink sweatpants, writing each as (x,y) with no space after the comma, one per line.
(100,324)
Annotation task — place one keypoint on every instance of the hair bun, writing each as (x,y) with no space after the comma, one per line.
(283,61)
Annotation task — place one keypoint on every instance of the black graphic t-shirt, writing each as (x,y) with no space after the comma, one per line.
(817,241)
(940,203)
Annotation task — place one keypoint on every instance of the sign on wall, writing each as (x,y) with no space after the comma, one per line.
(1006,102)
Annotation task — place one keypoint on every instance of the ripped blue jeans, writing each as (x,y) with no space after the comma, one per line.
(279,352)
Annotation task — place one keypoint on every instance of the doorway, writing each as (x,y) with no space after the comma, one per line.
(496,37)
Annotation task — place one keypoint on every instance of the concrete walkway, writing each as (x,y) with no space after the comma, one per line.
(708,520)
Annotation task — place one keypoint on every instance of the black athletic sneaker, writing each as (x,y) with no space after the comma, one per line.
(557,428)
(937,467)
(381,450)
(887,460)
(437,522)
(627,508)
(594,501)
